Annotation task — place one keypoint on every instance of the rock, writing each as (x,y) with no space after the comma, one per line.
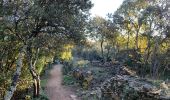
(147,88)
(163,85)
(132,88)
(73,97)
(128,71)
(157,92)
(83,77)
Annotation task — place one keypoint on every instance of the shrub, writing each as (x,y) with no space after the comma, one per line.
(68,80)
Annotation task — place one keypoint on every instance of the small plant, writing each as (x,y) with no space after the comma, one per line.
(68,80)
(27,97)
(68,66)
(82,63)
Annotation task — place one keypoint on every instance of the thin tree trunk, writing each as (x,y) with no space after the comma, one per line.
(108,52)
(102,51)
(147,54)
(16,76)
(117,47)
(35,76)
(128,40)
(136,41)
(36,80)
(2,60)
(155,62)
(38,85)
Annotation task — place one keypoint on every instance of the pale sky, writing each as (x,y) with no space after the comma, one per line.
(103,7)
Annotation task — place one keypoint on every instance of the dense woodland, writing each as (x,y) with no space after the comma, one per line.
(36,33)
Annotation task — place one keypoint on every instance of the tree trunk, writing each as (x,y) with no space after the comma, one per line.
(36,86)
(155,63)
(108,52)
(15,79)
(35,76)
(38,77)
(146,55)
(128,40)
(148,49)
(102,51)
(36,82)
(136,39)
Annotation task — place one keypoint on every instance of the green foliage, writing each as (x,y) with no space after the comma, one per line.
(67,67)
(140,25)
(68,80)
(40,64)
(42,97)
(54,27)
(43,62)
(40,24)
(66,54)
(157,82)
(81,63)
(130,94)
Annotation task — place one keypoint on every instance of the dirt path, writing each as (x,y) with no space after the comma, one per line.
(55,90)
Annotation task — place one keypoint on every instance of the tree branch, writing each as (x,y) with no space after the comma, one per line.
(17,73)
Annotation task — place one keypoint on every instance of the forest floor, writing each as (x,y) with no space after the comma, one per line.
(55,89)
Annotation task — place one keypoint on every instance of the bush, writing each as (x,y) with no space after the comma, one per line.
(67,67)
(68,80)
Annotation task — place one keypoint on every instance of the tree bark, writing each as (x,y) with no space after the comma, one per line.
(137,35)
(36,86)
(148,49)
(155,62)
(128,39)
(36,83)
(102,51)
(147,54)
(35,76)
(108,52)
(16,76)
